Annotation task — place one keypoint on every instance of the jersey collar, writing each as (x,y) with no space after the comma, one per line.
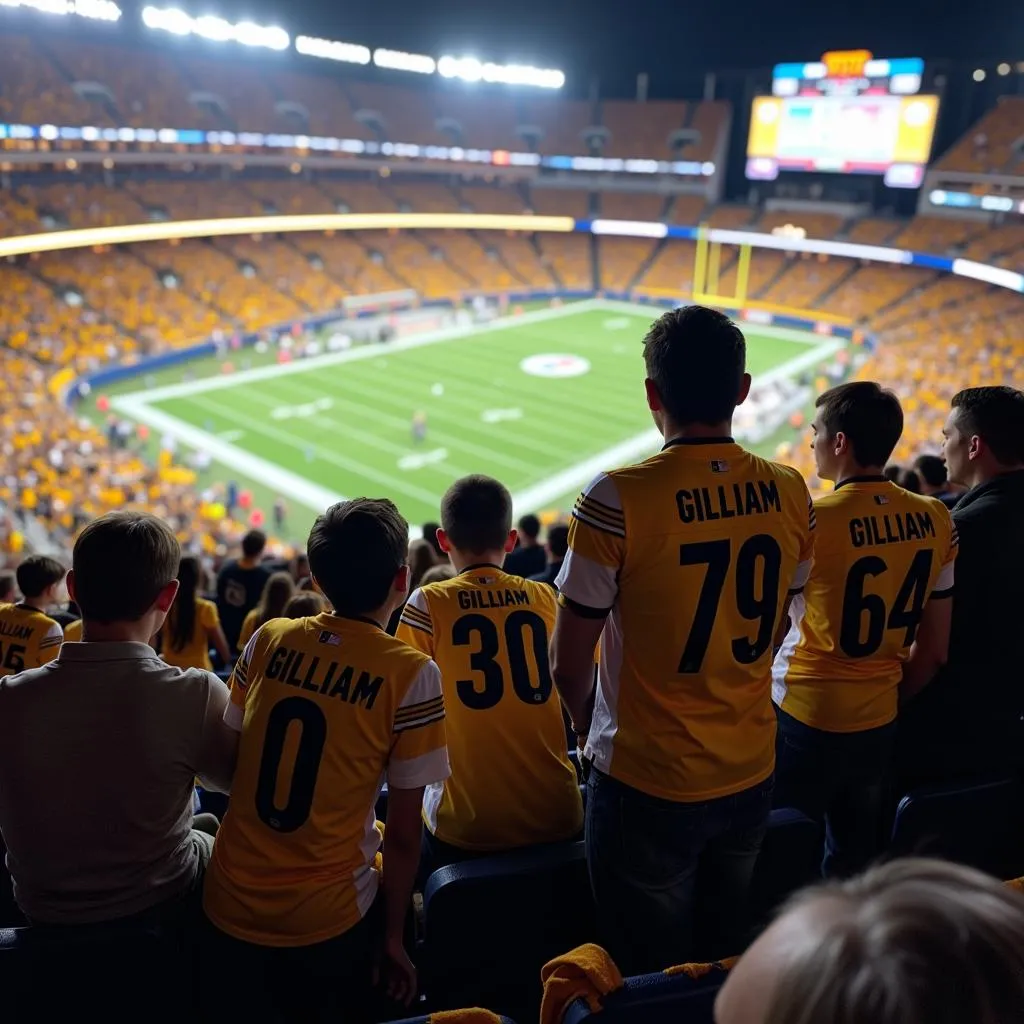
(366,620)
(480,565)
(676,442)
(868,478)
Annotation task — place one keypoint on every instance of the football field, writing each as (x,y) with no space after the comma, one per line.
(543,401)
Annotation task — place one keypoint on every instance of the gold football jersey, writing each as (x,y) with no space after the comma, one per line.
(881,554)
(329,708)
(512,783)
(28,638)
(693,552)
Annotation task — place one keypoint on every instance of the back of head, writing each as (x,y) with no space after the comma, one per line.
(696,358)
(276,593)
(996,415)
(558,541)
(301,606)
(430,534)
(8,587)
(910,481)
(529,527)
(932,470)
(892,472)
(910,942)
(438,574)
(122,561)
(38,573)
(254,543)
(182,617)
(476,514)
(869,416)
(421,558)
(356,549)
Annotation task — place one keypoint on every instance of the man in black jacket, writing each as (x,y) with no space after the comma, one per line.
(968,721)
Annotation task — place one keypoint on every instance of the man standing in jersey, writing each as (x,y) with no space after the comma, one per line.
(686,562)
(512,783)
(875,612)
(328,708)
(29,638)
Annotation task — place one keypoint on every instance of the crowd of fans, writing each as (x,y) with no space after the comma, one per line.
(821,655)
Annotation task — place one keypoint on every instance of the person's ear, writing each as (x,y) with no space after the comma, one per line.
(974,447)
(443,542)
(166,597)
(840,444)
(653,395)
(401,584)
(744,392)
(510,544)
(71,585)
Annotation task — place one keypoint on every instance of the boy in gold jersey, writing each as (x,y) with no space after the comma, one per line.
(329,708)
(686,562)
(873,618)
(512,783)
(29,638)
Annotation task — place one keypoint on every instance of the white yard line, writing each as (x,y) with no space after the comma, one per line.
(289,484)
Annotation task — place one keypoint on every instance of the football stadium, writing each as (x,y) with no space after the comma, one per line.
(503,522)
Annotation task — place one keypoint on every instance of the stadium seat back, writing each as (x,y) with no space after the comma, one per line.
(654,999)
(978,823)
(491,924)
(790,858)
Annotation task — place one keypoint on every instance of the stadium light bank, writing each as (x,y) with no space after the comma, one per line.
(96,10)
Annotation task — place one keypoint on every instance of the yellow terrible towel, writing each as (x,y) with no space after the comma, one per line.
(587,972)
(696,971)
(471,1016)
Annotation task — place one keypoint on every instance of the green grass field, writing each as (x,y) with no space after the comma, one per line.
(340,424)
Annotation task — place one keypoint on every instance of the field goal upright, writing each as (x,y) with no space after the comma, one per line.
(707,268)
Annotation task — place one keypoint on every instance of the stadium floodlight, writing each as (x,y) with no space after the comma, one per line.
(330,49)
(469,69)
(401,61)
(246,33)
(979,75)
(1004,68)
(97,10)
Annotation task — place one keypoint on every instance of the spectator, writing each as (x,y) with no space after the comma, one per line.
(240,584)
(968,722)
(513,784)
(437,574)
(430,534)
(838,674)
(277,592)
(29,637)
(192,625)
(8,588)
(910,481)
(300,568)
(910,942)
(935,480)
(680,787)
(529,558)
(557,546)
(110,709)
(301,606)
(421,558)
(292,889)
(892,473)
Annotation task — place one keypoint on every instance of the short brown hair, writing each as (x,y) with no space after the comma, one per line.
(122,561)
(911,942)
(356,549)
(302,605)
(870,416)
(38,572)
(476,513)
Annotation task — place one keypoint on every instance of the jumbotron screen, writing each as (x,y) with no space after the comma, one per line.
(848,114)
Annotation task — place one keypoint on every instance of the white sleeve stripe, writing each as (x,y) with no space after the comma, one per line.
(425,687)
(411,773)
(417,723)
(419,603)
(233,716)
(583,517)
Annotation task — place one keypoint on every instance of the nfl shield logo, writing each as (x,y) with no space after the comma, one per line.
(330,638)
(881,499)
(719,466)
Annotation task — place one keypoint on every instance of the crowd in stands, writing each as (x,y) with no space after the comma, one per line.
(820,655)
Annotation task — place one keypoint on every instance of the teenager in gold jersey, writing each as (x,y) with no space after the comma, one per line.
(29,638)
(874,619)
(329,708)
(512,783)
(686,562)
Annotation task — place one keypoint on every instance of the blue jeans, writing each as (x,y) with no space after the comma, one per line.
(670,879)
(837,778)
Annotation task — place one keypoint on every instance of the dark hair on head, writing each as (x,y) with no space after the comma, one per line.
(892,472)
(430,534)
(910,481)
(276,593)
(996,415)
(8,586)
(303,605)
(476,513)
(182,616)
(356,548)
(438,574)
(421,558)
(122,561)
(529,526)
(37,572)
(932,470)
(558,540)
(253,543)
(870,416)
(696,357)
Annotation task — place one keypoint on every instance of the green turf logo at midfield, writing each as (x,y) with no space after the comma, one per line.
(555,366)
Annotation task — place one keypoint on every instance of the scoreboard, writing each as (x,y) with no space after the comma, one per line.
(848,113)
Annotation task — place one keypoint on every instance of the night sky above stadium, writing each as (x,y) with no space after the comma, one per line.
(672,40)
